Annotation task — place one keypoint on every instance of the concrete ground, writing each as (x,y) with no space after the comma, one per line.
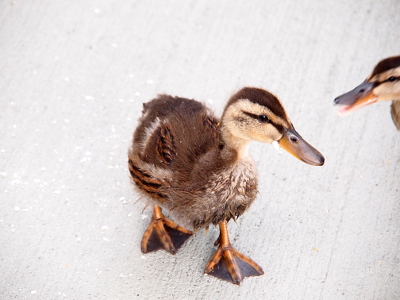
(73,77)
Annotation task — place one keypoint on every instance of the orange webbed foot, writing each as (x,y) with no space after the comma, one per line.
(228,264)
(162,233)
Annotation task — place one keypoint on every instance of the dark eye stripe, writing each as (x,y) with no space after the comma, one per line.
(260,118)
(278,127)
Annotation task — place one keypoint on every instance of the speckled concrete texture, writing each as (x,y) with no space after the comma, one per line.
(73,77)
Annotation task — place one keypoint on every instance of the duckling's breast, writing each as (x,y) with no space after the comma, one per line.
(226,195)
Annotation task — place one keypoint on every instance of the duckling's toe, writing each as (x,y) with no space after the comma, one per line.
(162,233)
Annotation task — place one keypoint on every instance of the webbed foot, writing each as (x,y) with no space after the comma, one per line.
(162,233)
(229,264)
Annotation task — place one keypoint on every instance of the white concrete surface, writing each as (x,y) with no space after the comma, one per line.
(73,76)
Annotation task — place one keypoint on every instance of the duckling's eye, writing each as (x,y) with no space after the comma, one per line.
(391,79)
(263,119)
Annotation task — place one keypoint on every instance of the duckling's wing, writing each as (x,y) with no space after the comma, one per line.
(174,133)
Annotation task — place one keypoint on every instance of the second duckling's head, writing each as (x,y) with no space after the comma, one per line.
(383,84)
(256,114)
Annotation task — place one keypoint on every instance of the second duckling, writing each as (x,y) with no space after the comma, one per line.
(382,84)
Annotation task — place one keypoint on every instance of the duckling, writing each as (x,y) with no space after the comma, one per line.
(382,85)
(198,168)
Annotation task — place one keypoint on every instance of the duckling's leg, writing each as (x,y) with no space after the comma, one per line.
(229,264)
(162,233)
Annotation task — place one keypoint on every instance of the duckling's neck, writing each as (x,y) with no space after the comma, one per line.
(234,148)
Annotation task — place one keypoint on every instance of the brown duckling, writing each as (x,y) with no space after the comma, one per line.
(199,169)
(382,85)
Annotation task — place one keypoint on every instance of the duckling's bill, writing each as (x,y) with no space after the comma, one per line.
(360,96)
(293,143)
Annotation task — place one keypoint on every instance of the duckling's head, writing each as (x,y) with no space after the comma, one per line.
(256,114)
(383,84)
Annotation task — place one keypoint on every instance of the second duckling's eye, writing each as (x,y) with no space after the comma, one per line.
(391,79)
(263,119)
